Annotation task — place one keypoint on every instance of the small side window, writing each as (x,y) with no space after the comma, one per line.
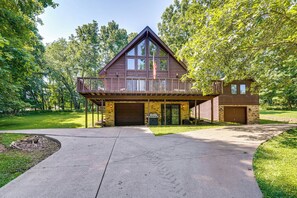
(242,89)
(233,89)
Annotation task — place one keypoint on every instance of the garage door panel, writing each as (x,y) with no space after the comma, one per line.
(129,114)
(235,114)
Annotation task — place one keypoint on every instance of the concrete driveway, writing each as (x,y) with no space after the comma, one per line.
(132,162)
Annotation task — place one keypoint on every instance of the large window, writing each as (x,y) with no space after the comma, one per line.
(163,64)
(143,55)
(233,89)
(136,85)
(131,64)
(141,48)
(141,64)
(135,64)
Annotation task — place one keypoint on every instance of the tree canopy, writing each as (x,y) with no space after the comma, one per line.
(83,54)
(236,39)
(43,77)
(20,48)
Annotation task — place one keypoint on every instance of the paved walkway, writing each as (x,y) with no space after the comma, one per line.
(132,162)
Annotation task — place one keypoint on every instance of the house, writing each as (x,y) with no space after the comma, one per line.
(142,85)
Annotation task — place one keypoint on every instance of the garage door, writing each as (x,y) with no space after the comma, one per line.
(235,114)
(127,114)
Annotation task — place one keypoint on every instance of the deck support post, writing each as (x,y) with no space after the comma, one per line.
(164,112)
(86,113)
(199,112)
(211,119)
(102,113)
(97,110)
(93,115)
(195,112)
(148,112)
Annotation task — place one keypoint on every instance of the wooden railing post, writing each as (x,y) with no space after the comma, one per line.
(195,112)
(83,84)
(93,125)
(86,113)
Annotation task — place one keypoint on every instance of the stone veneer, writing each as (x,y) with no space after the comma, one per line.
(155,107)
(252,113)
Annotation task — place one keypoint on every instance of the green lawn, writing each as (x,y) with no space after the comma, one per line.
(14,162)
(165,130)
(275,166)
(43,120)
(282,116)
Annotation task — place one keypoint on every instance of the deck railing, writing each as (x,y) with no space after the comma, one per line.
(139,85)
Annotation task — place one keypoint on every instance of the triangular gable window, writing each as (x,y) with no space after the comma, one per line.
(131,52)
(141,48)
(142,56)
(155,50)
(162,53)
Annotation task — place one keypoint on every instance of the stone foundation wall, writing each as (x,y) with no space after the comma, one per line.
(109,113)
(252,113)
(152,106)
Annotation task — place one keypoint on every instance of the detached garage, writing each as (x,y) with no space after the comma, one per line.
(127,114)
(235,114)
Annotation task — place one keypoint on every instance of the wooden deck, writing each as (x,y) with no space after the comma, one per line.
(140,87)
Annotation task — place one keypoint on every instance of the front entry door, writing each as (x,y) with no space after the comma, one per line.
(172,114)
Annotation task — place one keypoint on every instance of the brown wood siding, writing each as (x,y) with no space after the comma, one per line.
(238,99)
(235,114)
(127,114)
(174,68)
(118,67)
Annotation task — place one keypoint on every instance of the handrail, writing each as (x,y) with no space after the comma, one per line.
(139,85)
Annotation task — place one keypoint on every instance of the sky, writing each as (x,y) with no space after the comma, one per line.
(133,15)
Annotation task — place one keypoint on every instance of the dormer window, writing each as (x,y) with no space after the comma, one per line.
(242,89)
(233,89)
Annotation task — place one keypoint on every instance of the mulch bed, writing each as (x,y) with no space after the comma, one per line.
(32,143)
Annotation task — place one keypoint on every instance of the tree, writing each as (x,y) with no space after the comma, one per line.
(60,69)
(239,39)
(131,36)
(85,44)
(20,48)
(112,40)
(82,55)
(174,30)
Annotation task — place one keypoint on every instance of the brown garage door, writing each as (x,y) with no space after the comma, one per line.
(127,114)
(235,114)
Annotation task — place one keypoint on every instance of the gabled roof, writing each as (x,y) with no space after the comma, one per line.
(146,32)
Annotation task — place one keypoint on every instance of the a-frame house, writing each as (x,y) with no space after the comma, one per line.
(142,85)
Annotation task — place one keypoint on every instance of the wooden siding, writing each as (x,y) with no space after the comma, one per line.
(118,68)
(175,68)
(226,98)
